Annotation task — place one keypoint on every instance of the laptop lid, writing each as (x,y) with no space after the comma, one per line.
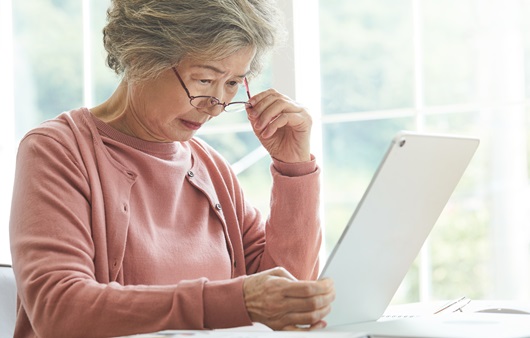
(391,222)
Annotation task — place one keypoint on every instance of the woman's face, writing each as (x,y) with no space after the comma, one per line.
(160,110)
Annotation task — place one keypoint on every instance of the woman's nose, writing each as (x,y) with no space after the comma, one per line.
(221,96)
(214,110)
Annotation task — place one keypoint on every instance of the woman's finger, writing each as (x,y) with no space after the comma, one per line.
(301,319)
(268,106)
(309,288)
(308,304)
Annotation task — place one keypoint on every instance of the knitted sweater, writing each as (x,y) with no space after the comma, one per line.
(112,235)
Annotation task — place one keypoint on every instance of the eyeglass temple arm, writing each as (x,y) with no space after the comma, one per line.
(245,81)
(181,82)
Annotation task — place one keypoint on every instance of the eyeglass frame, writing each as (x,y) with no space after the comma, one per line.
(211,99)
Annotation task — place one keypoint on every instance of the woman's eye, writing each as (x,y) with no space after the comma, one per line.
(205,81)
(233,83)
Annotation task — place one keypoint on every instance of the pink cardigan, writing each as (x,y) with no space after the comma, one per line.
(112,235)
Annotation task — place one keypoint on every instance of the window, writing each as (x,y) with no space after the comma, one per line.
(435,66)
(7,134)
(366,69)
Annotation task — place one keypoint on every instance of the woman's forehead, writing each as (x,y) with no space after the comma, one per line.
(236,63)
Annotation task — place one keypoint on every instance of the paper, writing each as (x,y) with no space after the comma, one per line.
(250,334)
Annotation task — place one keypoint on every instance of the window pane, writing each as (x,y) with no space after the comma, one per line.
(366,55)
(526,38)
(257,184)
(449,51)
(104,80)
(48,54)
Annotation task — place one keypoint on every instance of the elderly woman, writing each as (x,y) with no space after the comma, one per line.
(123,223)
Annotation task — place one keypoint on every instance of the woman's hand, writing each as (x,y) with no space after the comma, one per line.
(275,298)
(281,125)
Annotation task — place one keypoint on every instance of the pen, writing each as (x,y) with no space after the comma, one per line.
(455,305)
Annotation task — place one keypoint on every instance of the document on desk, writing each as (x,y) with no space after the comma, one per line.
(250,334)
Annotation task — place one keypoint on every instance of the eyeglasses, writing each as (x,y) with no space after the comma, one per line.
(205,102)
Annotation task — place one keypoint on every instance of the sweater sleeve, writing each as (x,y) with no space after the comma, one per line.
(292,235)
(60,292)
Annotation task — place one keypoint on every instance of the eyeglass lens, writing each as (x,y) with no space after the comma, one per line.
(212,101)
(204,101)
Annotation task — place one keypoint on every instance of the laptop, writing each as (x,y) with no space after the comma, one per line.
(391,222)
(450,325)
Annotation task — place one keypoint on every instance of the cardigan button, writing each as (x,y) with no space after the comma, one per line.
(190,173)
(218,206)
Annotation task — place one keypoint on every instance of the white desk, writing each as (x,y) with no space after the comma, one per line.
(418,320)
(461,325)
(411,320)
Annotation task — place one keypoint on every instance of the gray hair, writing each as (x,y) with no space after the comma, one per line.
(145,37)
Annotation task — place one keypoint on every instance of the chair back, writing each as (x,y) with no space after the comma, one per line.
(8,301)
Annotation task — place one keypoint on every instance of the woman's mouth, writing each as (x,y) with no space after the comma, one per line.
(191,125)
